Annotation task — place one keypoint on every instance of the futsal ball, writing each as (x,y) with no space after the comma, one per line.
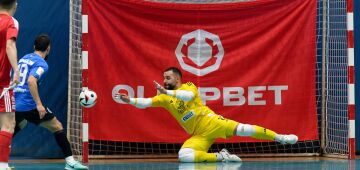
(87,98)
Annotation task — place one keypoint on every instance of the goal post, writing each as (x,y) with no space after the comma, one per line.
(334,94)
(74,119)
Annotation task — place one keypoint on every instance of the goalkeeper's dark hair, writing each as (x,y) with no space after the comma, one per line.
(174,70)
(7,4)
(42,42)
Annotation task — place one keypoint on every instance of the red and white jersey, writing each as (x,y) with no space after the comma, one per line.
(9,28)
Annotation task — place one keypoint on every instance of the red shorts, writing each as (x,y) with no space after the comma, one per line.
(7,103)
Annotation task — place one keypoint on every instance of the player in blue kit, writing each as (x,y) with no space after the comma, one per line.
(29,106)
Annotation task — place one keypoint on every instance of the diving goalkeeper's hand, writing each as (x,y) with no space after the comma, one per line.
(123,97)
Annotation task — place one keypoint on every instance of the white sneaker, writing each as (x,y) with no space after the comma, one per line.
(229,157)
(288,139)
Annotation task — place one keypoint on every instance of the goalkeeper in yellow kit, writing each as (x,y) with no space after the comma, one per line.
(204,126)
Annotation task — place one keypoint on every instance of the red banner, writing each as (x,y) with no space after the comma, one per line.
(253,62)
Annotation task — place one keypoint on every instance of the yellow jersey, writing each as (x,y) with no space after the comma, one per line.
(188,113)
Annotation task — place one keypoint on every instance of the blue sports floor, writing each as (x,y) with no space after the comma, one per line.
(253,164)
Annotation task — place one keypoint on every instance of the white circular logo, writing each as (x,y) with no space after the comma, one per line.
(200,47)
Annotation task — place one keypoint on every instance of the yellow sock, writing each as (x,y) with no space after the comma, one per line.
(262,133)
(201,156)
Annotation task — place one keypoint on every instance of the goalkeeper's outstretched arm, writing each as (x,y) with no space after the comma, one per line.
(141,103)
(147,102)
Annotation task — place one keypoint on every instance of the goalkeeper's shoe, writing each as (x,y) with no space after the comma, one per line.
(227,157)
(76,166)
(288,139)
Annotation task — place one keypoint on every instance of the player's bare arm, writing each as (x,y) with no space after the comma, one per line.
(11,52)
(33,87)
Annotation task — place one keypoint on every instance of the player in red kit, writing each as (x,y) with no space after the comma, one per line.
(8,60)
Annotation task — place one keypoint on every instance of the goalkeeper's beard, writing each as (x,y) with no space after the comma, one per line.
(169,86)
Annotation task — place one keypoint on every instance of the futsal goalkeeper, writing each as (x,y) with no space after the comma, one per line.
(204,126)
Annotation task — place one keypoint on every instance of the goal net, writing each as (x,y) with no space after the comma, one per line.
(331,96)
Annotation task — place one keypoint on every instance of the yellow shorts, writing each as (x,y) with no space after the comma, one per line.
(209,128)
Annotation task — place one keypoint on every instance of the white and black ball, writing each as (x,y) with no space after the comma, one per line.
(87,98)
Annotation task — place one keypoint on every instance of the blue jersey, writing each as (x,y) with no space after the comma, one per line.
(30,65)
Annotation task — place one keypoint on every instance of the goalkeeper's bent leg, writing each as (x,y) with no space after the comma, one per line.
(190,155)
(201,156)
(256,132)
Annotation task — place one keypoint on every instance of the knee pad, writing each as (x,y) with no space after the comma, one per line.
(187,155)
(245,130)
